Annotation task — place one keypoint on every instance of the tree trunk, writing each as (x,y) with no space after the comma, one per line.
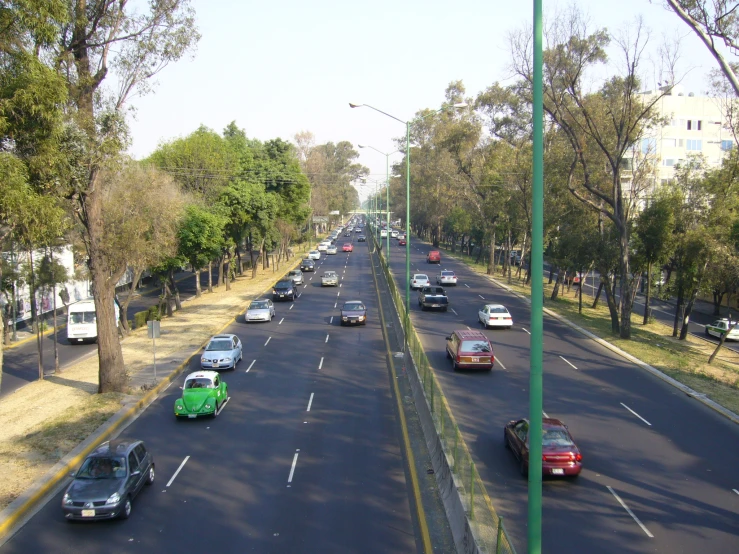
(34,318)
(167,295)
(124,308)
(579,304)
(678,310)
(238,256)
(175,290)
(227,275)
(221,276)
(718,297)
(597,296)
(647,309)
(610,298)
(56,331)
(210,276)
(491,261)
(691,302)
(555,290)
(198,288)
(626,284)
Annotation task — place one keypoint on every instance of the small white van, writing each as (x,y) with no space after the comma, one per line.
(82,321)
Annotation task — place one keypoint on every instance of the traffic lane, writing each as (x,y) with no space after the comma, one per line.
(232,407)
(638,375)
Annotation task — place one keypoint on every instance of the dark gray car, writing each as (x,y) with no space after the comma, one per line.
(108,480)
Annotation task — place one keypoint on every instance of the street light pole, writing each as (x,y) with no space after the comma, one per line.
(408,189)
(387,190)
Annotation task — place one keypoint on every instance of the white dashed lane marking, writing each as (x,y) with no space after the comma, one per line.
(250,366)
(568,362)
(625,507)
(269,339)
(637,415)
(176,473)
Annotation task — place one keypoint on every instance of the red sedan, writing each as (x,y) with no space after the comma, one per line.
(560,454)
(401,242)
(348,247)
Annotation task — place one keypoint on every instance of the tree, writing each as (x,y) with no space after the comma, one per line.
(200,238)
(714,23)
(112,37)
(50,274)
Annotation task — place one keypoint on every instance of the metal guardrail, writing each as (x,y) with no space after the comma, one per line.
(486,524)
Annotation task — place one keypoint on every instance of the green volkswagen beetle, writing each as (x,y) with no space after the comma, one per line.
(204,393)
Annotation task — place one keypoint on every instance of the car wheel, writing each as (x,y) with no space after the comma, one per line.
(523,468)
(150,476)
(454,365)
(215,412)
(127,508)
(708,332)
(448,355)
(505,441)
(445,309)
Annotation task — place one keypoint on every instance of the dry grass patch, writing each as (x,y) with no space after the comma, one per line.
(685,361)
(45,420)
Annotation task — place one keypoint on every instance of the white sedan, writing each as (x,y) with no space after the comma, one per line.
(314,255)
(721,326)
(446,278)
(495,315)
(419,280)
(331,249)
(323,246)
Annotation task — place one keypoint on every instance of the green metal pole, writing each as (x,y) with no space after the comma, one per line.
(387,184)
(536,392)
(407,219)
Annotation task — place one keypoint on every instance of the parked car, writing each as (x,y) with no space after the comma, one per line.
(331,249)
(307,265)
(433,298)
(108,480)
(361,238)
(353,312)
(720,327)
(222,352)
(314,255)
(348,247)
(434,257)
(296,275)
(470,349)
(284,290)
(203,394)
(419,280)
(330,279)
(260,310)
(495,315)
(560,454)
(446,277)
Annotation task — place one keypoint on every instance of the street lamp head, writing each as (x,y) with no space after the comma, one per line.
(361,145)
(460,105)
(353,105)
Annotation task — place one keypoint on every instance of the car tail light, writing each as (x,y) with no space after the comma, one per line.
(578,457)
(544,458)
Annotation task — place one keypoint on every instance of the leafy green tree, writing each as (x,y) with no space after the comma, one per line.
(201,238)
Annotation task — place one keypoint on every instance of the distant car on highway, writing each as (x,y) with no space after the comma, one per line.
(331,249)
(361,238)
(314,255)
(401,242)
(470,349)
(495,315)
(419,280)
(720,327)
(446,277)
(203,394)
(296,275)
(434,257)
(323,246)
(307,265)
(433,298)
(260,310)
(560,454)
(222,352)
(284,290)
(354,312)
(108,480)
(348,247)
(330,279)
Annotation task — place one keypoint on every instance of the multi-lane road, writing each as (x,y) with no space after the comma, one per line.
(305,456)
(660,469)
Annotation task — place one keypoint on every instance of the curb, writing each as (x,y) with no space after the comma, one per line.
(33,337)
(51,482)
(700,397)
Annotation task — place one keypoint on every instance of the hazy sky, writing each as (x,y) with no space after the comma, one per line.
(279,67)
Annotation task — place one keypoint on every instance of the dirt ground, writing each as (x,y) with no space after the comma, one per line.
(45,420)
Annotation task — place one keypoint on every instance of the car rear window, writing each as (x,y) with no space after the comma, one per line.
(556,437)
(498,310)
(475,346)
(447,274)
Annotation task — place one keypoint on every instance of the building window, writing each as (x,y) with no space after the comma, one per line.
(668,162)
(648,145)
(727,145)
(694,124)
(669,143)
(694,144)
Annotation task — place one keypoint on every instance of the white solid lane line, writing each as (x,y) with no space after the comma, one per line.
(269,339)
(280,323)
(250,366)
(452,309)
(481,296)
(637,415)
(497,361)
(525,329)
(310,402)
(568,362)
(292,469)
(320,364)
(625,507)
(223,406)
(466,285)
(327,338)
(176,473)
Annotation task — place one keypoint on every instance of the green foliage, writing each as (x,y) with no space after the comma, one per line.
(140,319)
(201,236)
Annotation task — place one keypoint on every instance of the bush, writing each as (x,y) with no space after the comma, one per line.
(139,319)
(153,314)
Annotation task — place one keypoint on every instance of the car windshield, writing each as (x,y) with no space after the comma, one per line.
(353,306)
(263,305)
(199,383)
(330,274)
(498,310)
(556,437)
(294,273)
(102,467)
(284,285)
(474,346)
(219,345)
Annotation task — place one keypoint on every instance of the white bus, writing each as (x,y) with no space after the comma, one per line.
(82,321)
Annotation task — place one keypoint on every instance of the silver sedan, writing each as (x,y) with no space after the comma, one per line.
(260,310)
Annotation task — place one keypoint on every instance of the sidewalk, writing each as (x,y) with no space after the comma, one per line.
(45,420)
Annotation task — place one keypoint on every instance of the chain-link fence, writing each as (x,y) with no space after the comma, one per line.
(486,524)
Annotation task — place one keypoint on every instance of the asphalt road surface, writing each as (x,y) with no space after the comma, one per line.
(305,456)
(646,446)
